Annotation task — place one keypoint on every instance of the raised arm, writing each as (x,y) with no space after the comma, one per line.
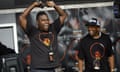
(62,14)
(22,17)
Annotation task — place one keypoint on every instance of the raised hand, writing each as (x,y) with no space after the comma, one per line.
(50,3)
(38,4)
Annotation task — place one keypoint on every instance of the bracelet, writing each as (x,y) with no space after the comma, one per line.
(113,70)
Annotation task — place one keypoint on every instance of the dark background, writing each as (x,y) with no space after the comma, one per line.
(10,4)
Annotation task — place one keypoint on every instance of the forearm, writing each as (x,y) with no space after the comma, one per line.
(60,11)
(111,62)
(80,65)
(28,10)
(22,17)
(62,14)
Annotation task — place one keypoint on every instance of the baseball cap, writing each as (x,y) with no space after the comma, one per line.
(93,22)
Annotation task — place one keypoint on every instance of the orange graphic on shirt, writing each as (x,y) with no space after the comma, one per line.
(97,54)
(46,41)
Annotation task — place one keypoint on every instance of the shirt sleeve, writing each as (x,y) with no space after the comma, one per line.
(110,49)
(57,25)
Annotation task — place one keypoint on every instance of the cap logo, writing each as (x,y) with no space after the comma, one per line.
(94,21)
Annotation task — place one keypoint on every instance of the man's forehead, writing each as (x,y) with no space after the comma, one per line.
(93,26)
(43,17)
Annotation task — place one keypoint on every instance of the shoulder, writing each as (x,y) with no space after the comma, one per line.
(85,37)
(105,35)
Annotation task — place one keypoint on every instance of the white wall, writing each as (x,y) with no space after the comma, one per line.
(7,32)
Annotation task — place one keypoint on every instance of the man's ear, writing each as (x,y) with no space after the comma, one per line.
(98,28)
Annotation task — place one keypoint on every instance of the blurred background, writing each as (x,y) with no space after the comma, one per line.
(79,12)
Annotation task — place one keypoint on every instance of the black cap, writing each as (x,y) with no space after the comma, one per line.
(93,22)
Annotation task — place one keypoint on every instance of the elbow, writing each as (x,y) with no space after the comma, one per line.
(65,15)
(22,16)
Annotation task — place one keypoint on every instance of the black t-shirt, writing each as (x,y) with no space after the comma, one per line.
(40,45)
(88,47)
